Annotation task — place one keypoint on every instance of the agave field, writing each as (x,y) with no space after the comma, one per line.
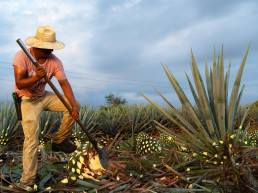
(208,146)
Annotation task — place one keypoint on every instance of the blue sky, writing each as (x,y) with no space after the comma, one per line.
(118,46)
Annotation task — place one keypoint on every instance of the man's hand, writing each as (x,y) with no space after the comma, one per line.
(66,87)
(75,113)
(40,71)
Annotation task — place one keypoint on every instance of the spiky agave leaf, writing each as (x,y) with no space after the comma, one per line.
(197,139)
(232,107)
(49,122)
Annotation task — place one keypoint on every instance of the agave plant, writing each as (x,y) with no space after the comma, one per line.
(88,119)
(152,114)
(210,133)
(49,122)
(137,121)
(9,123)
(110,120)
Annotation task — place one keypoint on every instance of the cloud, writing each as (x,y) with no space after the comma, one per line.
(173,46)
(125,6)
(127,40)
(137,98)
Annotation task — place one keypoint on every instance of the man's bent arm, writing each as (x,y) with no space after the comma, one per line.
(68,92)
(23,81)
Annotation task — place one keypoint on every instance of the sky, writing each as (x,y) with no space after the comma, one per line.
(118,46)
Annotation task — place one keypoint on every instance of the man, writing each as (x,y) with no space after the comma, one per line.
(30,86)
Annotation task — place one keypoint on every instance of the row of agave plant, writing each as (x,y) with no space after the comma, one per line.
(210,131)
(132,119)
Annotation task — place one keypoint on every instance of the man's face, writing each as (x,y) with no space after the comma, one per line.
(42,53)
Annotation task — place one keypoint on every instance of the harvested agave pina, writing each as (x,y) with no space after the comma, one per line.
(79,165)
(94,162)
(146,144)
(85,163)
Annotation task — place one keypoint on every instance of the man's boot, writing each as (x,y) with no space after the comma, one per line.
(67,146)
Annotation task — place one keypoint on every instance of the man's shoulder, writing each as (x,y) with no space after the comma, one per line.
(54,58)
(20,59)
(20,53)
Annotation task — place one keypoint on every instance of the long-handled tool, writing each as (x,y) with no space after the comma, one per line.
(103,157)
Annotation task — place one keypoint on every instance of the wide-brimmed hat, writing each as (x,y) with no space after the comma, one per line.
(45,38)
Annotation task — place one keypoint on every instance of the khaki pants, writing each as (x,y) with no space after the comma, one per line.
(32,108)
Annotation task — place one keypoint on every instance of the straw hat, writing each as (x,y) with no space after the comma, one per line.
(45,38)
